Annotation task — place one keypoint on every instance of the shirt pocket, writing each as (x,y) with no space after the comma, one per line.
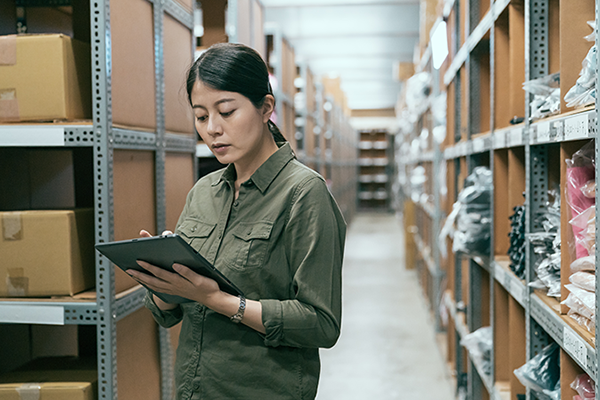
(251,244)
(196,232)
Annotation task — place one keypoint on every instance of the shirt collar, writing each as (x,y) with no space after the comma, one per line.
(266,173)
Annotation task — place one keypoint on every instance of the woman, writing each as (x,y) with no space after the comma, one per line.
(271,226)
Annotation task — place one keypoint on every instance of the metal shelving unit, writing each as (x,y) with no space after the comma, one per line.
(100,135)
(544,324)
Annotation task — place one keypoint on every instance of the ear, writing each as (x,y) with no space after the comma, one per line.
(268,108)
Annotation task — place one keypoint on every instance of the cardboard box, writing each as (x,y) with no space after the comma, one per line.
(40,179)
(44,77)
(51,378)
(46,253)
(133,77)
(138,357)
(178,41)
(134,201)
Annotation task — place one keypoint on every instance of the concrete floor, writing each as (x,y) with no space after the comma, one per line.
(387,349)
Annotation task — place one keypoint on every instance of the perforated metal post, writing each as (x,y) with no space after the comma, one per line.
(597,255)
(103,191)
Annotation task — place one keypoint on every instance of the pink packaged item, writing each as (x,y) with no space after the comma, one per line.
(581,170)
(584,386)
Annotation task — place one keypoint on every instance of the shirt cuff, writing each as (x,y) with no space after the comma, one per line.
(165,318)
(272,318)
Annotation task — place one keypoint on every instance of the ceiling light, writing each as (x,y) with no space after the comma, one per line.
(439,44)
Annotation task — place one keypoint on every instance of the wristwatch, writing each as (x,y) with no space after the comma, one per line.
(237,317)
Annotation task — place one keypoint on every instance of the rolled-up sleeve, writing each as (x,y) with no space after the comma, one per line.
(314,240)
(167,318)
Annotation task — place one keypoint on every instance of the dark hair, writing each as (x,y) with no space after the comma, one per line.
(235,68)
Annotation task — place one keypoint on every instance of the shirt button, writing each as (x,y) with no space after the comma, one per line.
(236,204)
(193,229)
(196,385)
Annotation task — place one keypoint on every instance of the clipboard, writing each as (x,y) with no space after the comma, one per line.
(163,252)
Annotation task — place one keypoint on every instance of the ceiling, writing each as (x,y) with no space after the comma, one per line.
(358,40)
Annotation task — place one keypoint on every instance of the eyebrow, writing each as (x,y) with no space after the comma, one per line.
(217,103)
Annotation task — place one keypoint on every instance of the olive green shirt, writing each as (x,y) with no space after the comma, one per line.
(281,242)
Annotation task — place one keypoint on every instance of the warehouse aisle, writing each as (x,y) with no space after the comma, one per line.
(387,349)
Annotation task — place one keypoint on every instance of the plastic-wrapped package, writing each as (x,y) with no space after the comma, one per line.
(546,246)
(546,95)
(418,91)
(583,321)
(516,251)
(584,90)
(584,386)
(577,306)
(586,300)
(589,189)
(470,220)
(584,264)
(473,221)
(581,169)
(479,344)
(584,280)
(542,373)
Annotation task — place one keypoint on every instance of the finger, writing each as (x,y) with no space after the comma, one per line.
(185,272)
(167,232)
(145,233)
(162,274)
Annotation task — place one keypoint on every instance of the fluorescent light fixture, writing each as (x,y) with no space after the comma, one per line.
(439,45)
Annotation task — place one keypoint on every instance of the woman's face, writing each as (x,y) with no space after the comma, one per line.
(234,130)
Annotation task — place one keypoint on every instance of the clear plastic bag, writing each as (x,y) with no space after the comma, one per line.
(583,321)
(584,386)
(469,223)
(479,344)
(542,372)
(587,300)
(546,95)
(584,264)
(584,90)
(584,280)
(547,247)
(581,169)
(589,189)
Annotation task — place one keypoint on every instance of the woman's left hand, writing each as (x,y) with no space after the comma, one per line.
(183,282)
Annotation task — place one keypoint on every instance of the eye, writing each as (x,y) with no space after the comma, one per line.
(202,118)
(227,114)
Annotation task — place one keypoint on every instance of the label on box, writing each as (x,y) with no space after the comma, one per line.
(575,346)
(543,132)
(516,137)
(499,140)
(576,127)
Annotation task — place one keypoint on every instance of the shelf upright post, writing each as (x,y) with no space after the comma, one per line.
(166,364)
(536,161)
(597,255)
(492,197)
(436,217)
(103,192)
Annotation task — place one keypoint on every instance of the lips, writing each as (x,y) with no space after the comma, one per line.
(220,147)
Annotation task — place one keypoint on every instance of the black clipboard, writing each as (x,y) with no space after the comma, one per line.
(163,252)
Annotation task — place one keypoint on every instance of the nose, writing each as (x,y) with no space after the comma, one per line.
(213,126)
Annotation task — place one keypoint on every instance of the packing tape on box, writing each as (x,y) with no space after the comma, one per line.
(12,226)
(8,50)
(9,105)
(29,391)
(17,284)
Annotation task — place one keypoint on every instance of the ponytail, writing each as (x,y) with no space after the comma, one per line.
(277,135)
